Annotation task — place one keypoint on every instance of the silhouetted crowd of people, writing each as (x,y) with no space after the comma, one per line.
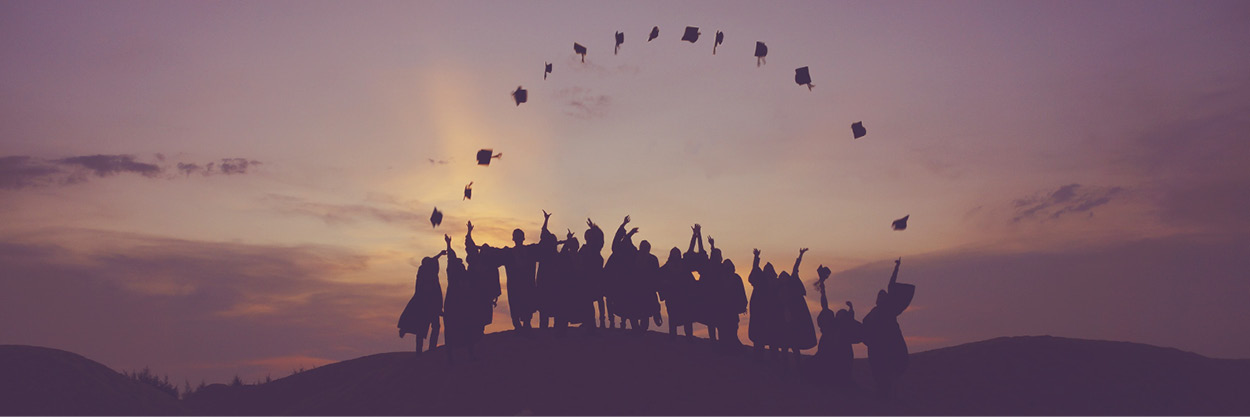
(566,283)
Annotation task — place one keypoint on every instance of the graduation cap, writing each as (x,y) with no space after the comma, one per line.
(858,129)
(436,218)
(655,33)
(761,51)
(580,50)
(720,37)
(900,224)
(546,70)
(468,191)
(520,95)
(620,38)
(484,156)
(801,77)
(692,34)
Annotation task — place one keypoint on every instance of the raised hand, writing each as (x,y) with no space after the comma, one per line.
(590,223)
(898,261)
(802,251)
(849,305)
(470,226)
(626,220)
(570,235)
(711,241)
(756,252)
(447,239)
(634,230)
(546,215)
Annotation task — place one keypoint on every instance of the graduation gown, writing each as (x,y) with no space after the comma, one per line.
(765,323)
(798,331)
(463,322)
(425,306)
(887,350)
(676,288)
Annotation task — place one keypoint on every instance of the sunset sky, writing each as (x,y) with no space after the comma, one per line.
(1076,169)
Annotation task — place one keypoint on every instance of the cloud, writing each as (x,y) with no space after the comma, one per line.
(1071,198)
(1183,291)
(137,300)
(20,172)
(494,230)
(106,165)
(574,64)
(582,103)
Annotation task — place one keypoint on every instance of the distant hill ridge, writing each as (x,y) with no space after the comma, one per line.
(623,373)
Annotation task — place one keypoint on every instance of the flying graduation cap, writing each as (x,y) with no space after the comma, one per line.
(655,33)
(520,95)
(692,34)
(900,224)
(546,70)
(436,218)
(620,38)
(857,128)
(484,156)
(720,37)
(468,191)
(761,51)
(802,77)
(580,50)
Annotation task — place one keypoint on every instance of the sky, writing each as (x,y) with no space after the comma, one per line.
(213,189)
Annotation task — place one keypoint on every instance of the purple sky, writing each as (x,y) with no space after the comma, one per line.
(221,188)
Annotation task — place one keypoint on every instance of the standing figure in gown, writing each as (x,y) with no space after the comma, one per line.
(887,351)
(676,285)
(766,320)
(590,267)
(642,287)
(616,271)
(798,331)
(838,332)
(421,315)
(463,324)
(484,262)
(545,280)
(519,265)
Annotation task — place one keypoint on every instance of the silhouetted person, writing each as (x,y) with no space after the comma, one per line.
(731,300)
(838,332)
(484,262)
(642,287)
(700,299)
(545,286)
(590,267)
(887,351)
(798,332)
(766,320)
(520,265)
(676,287)
(710,291)
(573,301)
(616,271)
(420,316)
(464,326)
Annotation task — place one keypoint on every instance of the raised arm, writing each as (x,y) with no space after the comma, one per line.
(894,276)
(694,234)
(711,242)
(799,260)
(755,265)
(468,238)
(450,253)
(698,230)
(546,219)
(620,232)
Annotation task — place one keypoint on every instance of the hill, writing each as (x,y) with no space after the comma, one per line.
(43,381)
(619,373)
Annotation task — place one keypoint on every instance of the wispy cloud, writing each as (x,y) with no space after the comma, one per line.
(1071,198)
(582,103)
(20,172)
